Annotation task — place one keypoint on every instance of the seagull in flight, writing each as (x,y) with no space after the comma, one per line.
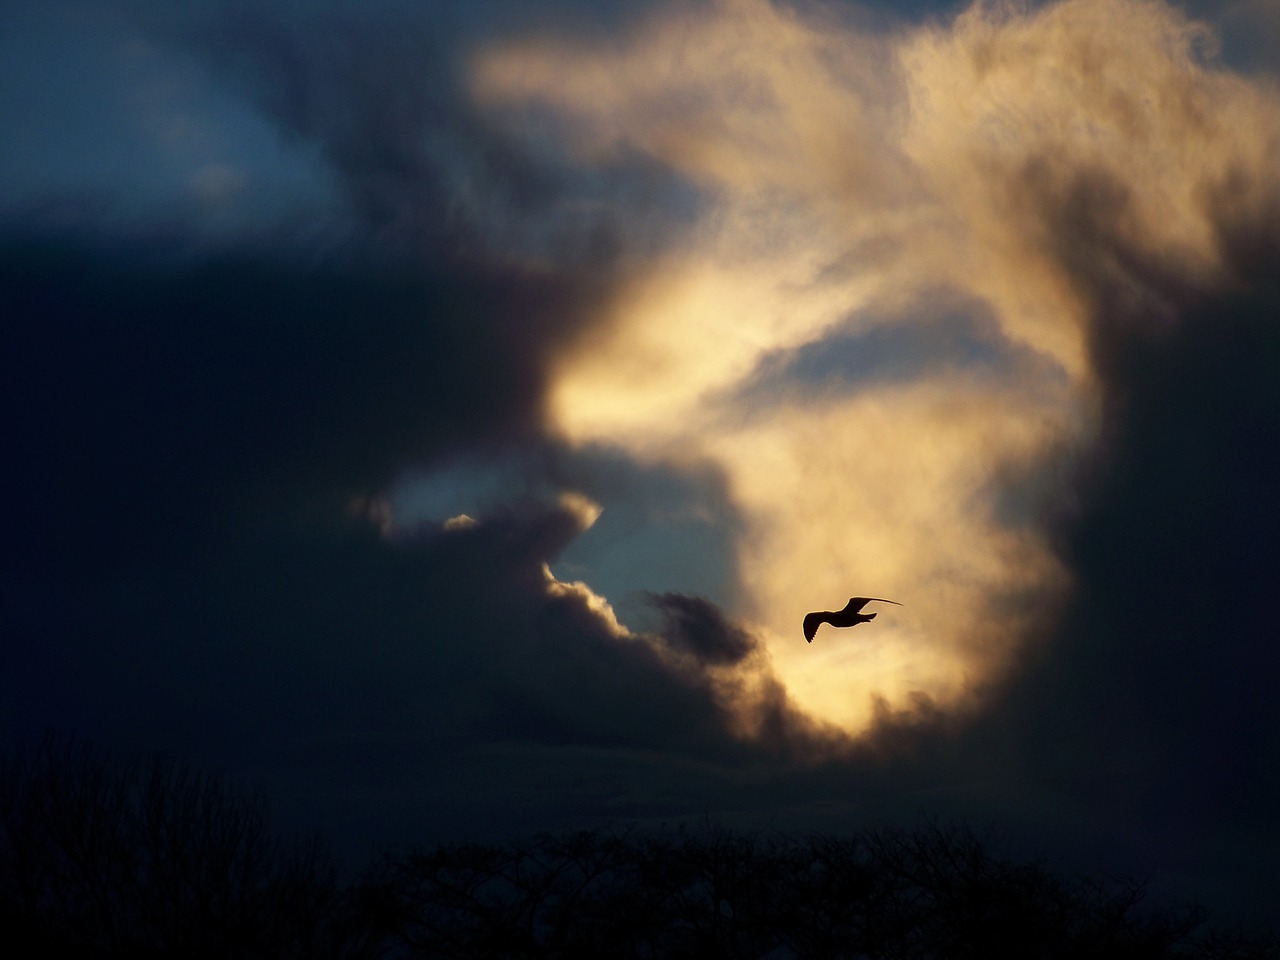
(848,617)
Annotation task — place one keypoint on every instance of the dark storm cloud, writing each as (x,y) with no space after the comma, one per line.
(381,101)
(182,573)
(179,386)
(329,655)
(1178,558)
(381,94)
(1149,698)
(184,435)
(697,626)
(198,432)
(1197,443)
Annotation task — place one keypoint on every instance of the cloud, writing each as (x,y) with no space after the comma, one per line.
(184,384)
(377,96)
(202,445)
(1048,167)
(190,434)
(696,626)
(210,438)
(1148,699)
(975,314)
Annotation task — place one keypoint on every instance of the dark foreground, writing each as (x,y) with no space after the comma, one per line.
(103,858)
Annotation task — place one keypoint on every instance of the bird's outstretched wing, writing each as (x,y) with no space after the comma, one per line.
(857,603)
(811,623)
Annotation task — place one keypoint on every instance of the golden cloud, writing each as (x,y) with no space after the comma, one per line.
(1027,159)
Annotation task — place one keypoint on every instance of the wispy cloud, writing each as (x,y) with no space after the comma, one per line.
(1061,166)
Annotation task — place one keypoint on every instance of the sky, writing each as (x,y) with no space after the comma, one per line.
(443,415)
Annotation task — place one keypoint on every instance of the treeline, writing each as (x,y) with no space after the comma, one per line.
(101,857)
(107,858)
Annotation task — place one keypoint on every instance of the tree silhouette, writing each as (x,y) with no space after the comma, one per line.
(110,858)
(925,894)
(117,858)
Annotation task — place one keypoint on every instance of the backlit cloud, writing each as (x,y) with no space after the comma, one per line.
(1064,167)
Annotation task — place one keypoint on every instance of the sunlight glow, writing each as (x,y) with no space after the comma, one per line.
(1016,156)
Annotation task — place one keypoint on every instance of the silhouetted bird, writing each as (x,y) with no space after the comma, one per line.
(848,617)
